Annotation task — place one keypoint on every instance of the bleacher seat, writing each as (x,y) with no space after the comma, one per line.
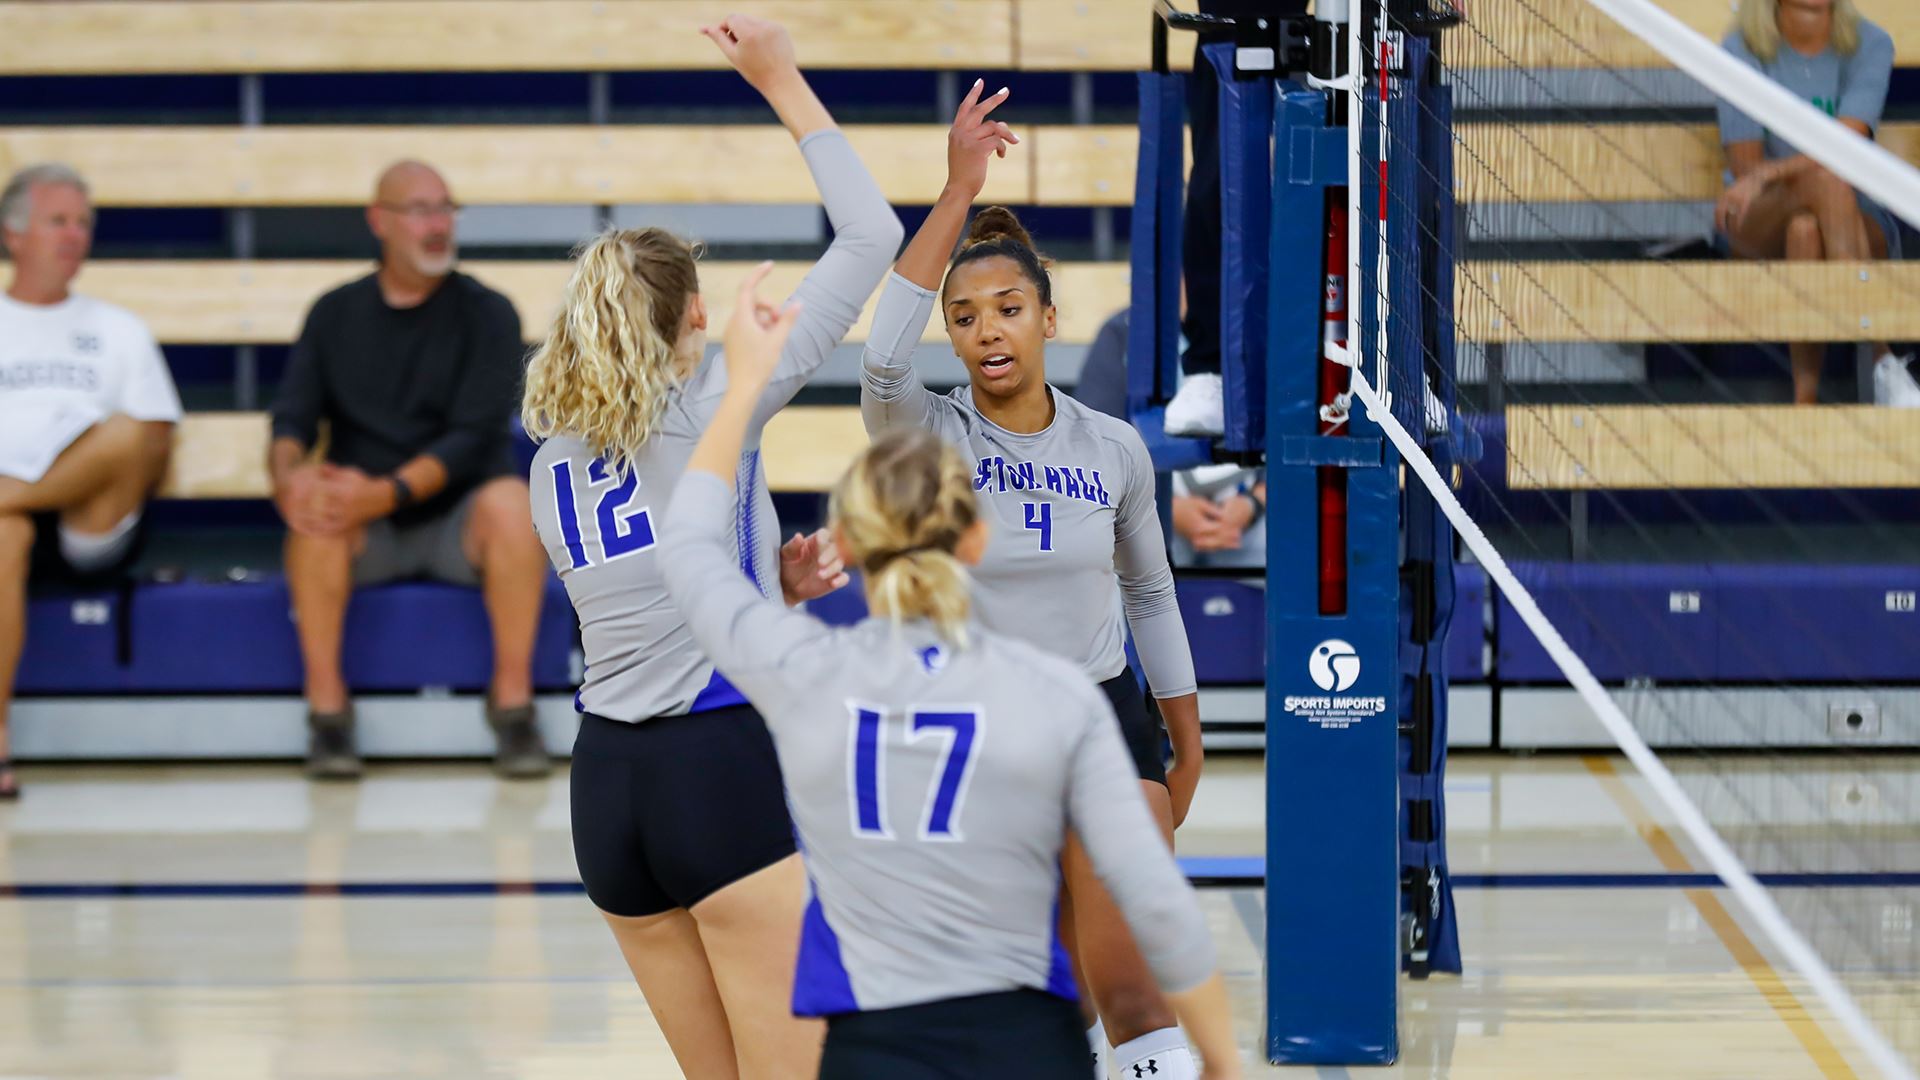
(1708,623)
(238,637)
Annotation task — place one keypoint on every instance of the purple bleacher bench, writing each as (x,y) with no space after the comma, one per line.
(238,637)
(1718,623)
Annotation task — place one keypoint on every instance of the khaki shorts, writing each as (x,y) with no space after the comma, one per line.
(429,548)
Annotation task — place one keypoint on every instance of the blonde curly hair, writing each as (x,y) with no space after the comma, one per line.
(605,370)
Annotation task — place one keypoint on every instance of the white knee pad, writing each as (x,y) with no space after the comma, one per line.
(87,552)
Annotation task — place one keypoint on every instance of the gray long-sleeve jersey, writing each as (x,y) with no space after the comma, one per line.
(1075,540)
(600,529)
(932,788)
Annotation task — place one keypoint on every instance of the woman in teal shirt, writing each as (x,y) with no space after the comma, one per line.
(1779,203)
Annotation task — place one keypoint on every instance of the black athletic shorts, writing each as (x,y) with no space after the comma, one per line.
(1016,1035)
(1140,725)
(669,811)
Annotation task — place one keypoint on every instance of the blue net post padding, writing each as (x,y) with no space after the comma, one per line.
(1333,866)
(1246,197)
(1153,334)
(1423,344)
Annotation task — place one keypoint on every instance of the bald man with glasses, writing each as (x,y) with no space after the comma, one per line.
(415,372)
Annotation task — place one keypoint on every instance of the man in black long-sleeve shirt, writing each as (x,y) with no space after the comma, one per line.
(415,369)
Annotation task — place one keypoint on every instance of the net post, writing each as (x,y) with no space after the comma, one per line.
(1333,955)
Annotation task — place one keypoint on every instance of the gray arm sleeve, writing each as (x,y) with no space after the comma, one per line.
(866,237)
(750,638)
(1107,811)
(891,393)
(1736,126)
(1864,78)
(1146,581)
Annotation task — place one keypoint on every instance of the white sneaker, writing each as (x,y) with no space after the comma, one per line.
(1199,408)
(1893,384)
(1436,409)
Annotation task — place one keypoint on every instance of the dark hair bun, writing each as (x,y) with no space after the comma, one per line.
(997,223)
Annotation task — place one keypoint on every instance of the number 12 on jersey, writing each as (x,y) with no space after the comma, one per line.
(867,768)
(623,527)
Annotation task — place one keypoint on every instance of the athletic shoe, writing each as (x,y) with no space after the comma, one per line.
(1894,384)
(330,753)
(521,754)
(1436,409)
(1199,409)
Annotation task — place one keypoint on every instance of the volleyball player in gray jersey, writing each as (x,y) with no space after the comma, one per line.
(680,826)
(1068,493)
(933,767)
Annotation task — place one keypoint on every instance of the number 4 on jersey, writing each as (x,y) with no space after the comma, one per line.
(623,527)
(1040,520)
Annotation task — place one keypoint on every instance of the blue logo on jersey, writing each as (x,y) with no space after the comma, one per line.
(1074,482)
(934,659)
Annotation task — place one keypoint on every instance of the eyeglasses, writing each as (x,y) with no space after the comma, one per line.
(419,211)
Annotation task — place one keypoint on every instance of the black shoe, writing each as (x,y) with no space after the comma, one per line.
(521,755)
(330,752)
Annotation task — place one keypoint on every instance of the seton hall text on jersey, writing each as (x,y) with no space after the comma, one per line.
(997,474)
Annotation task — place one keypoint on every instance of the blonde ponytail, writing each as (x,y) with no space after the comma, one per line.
(605,370)
(901,511)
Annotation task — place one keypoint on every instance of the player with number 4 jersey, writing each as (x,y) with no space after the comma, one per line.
(934,768)
(1077,555)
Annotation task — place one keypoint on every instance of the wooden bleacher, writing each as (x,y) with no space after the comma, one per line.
(1650,302)
(224,455)
(266,36)
(248,36)
(243,302)
(1057,165)
(1079,34)
(1702,447)
(315,165)
(234,302)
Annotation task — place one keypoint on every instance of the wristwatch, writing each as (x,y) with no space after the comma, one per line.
(402,493)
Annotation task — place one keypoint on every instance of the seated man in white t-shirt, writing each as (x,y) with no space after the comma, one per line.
(87,410)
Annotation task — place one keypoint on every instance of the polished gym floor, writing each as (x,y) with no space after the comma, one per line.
(237,921)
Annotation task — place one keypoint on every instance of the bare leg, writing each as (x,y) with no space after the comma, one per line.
(752,933)
(1116,976)
(1815,217)
(99,456)
(16,547)
(320,579)
(1804,243)
(669,961)
(513,580)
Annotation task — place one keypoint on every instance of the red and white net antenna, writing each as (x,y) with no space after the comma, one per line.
(1389,50)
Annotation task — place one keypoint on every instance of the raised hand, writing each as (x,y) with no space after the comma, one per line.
(974,138)
(756,333)
(759,49)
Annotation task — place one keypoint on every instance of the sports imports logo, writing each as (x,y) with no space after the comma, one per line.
(1334,665)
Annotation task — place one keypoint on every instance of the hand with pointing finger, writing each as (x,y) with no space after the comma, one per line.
(757,332)
(974,139)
